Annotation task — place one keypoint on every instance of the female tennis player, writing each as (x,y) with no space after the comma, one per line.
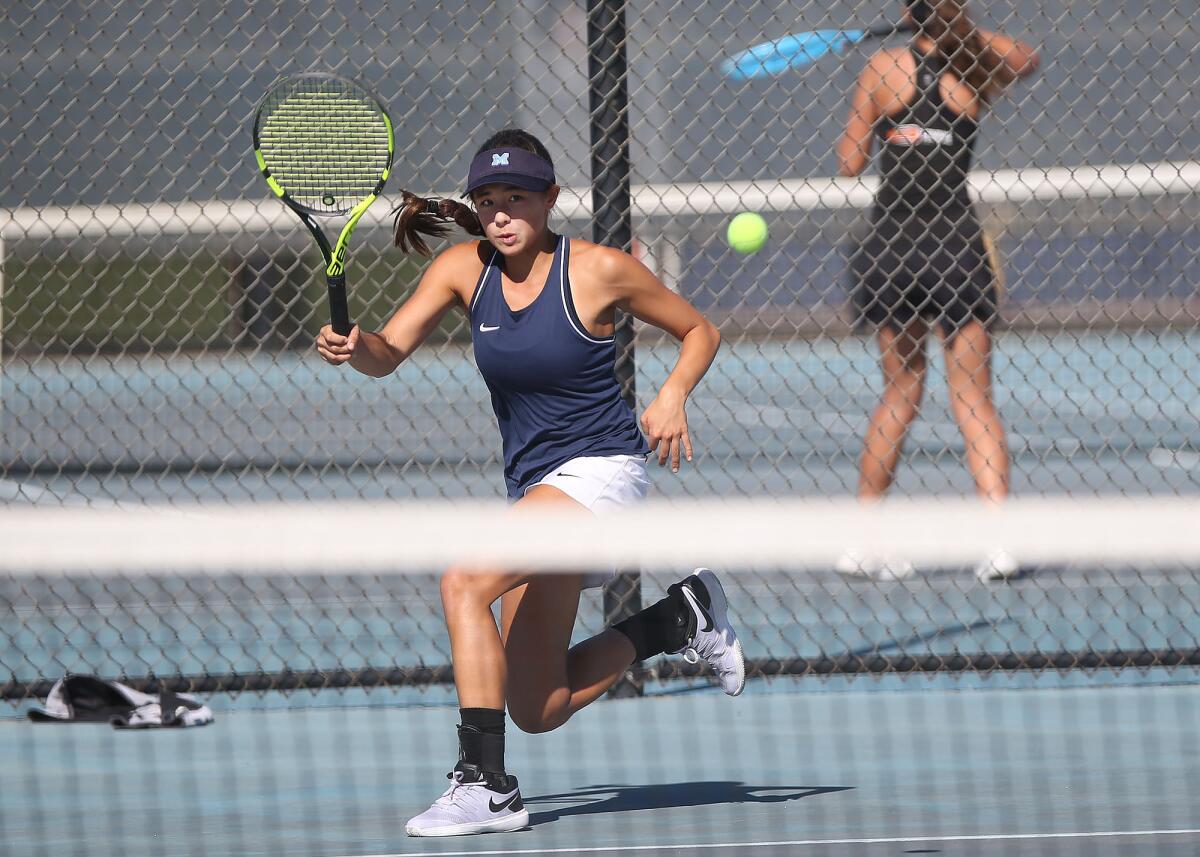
(925,264)
(541,310)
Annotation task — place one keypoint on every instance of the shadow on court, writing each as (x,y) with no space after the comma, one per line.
(952,629)
(614,798)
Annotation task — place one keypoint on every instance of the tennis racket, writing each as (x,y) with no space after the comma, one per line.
(325,146)
(800,49)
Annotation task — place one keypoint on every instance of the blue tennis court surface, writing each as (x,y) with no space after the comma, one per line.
(1095,770)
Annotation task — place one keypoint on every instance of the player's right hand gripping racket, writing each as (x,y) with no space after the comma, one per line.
(325,146)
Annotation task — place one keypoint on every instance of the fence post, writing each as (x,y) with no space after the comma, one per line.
(612,224)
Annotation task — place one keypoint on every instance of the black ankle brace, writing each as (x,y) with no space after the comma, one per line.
(481,739)
(664,626)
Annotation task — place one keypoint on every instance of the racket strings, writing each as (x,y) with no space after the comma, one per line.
(327,148)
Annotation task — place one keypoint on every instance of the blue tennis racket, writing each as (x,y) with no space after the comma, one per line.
(800,49)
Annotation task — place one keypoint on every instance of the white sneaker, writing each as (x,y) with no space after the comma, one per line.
(712,638)
(471,805)
(855,564)
(999,565)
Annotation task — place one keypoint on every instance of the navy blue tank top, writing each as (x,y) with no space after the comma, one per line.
(553,385)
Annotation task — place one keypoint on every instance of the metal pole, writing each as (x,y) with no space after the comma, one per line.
(612,224)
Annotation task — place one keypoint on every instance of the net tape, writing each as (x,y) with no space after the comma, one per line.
(743,533)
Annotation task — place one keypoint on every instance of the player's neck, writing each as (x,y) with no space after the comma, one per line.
(519,266)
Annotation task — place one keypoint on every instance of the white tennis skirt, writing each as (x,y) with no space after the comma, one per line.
(601,483)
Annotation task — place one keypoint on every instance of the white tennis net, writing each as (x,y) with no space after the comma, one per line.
(288,538)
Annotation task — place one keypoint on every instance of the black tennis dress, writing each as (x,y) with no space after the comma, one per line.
(925,255)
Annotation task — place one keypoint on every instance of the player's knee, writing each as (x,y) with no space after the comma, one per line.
(902,396)
(460,588)
(973,406)
(534,719)
(535,708)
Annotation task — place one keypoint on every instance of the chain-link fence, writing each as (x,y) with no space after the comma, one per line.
(237,634)
(160,306)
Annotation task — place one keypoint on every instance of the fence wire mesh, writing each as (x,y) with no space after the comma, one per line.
(160,306)
(233,634)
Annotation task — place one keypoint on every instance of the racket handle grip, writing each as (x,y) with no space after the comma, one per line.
(339,313)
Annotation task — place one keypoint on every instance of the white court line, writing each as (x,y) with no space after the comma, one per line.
(894,840)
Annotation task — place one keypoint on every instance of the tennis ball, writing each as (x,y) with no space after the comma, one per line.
(747,233)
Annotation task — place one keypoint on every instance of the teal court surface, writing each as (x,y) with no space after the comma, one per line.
(791,767)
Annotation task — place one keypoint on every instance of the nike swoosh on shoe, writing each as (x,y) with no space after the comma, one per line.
(514,801)
(698,607)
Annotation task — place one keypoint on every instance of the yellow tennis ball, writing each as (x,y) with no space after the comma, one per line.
(747,233)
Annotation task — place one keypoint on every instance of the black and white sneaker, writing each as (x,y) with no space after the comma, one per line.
(710,636)
(474,803)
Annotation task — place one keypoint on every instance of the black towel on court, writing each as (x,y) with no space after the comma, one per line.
(88,699)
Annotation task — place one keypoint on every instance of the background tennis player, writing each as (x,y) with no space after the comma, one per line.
(925,265)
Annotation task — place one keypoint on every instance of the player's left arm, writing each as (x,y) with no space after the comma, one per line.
(637,291)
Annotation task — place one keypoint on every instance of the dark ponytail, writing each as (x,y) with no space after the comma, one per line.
(417,217)
(976,64)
